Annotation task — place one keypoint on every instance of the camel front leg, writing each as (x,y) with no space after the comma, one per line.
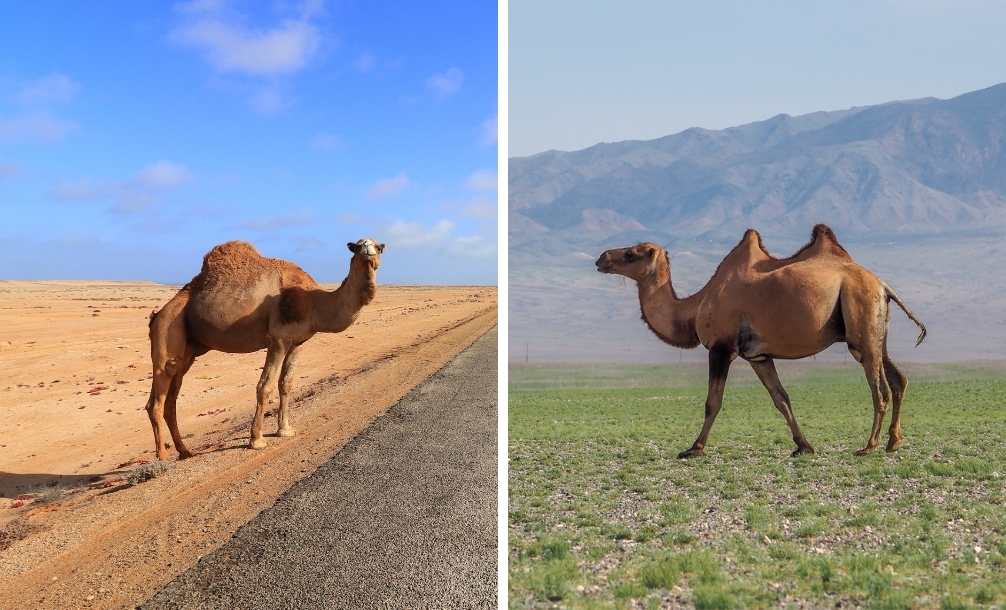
(719,366)
(285,385)
(770,379)
(273,361)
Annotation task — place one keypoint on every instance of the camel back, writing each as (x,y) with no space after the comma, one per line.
(239,263)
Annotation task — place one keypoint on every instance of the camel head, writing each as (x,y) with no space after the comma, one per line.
(366,251)
(636,262)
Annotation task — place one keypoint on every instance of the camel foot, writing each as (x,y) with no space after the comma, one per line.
(286,432)
(162,456)
(893,445)
(865,450)
(184,453)
(805,450)
(690,453)
(257,443)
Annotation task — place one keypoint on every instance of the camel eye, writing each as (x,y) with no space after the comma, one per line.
(630,255)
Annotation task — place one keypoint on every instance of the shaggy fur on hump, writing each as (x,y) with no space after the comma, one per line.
(238,263)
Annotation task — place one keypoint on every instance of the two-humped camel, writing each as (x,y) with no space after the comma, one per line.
(761,308)
(242,302)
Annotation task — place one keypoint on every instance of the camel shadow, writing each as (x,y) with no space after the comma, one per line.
(13,484)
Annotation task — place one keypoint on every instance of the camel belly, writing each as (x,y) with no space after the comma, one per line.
(780,315)
(229,322)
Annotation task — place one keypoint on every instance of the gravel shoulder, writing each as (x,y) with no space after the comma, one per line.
(403,516)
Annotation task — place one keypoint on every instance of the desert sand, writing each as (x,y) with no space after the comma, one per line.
(74,381)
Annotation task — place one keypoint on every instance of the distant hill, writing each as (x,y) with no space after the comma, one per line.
(916,189)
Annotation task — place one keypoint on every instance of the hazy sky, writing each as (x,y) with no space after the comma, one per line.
(135,135)
(587,71)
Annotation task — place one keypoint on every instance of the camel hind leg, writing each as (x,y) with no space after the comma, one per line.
(898,382)
(865,315)
(170,407)
(168,351)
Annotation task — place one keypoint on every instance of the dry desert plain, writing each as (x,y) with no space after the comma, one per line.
(74,380)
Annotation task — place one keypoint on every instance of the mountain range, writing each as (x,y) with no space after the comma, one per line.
(915,189)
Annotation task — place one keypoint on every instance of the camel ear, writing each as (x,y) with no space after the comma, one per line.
(380,248)
(353,247)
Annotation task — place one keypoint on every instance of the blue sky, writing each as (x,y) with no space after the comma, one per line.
(136,135)
(586,72)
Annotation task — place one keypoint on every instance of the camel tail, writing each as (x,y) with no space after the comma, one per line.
(892,296)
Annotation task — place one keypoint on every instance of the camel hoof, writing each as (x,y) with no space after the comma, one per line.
(257,443)
(808,450)
(892,447)
(690,453)
(286,432)
(184,454)
(163,457)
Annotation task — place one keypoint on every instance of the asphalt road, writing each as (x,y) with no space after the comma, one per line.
(403,517)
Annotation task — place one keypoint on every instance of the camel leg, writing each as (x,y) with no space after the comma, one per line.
(170,411)
(160,387)
(770,379)
(873,366)
(898,382)
(273,362)
(719,366)
(285,385)
(168,351)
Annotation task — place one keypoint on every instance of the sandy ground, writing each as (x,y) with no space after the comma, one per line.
(74,379)
(404,516)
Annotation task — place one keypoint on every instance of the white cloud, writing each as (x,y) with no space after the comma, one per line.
(388,186)
(489,131)
(52,89)
(440,235)
(325,141)
(269,101)
(79,190)
(482,180)
(480,208)
(445,84)
(230,46)
(405,234)
(130,195)
(163,175)
(474,246)
(365,63)
(37,127)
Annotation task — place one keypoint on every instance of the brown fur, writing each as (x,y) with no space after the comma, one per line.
(760,308)
(242,302)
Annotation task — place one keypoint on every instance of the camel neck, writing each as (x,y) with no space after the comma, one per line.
(670,318)
(338,309)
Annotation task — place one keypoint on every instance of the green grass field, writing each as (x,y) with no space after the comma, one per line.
(602,514)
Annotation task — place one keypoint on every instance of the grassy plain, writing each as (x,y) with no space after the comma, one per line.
(602,514)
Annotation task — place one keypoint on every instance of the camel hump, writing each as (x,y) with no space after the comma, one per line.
(824,233)
(230,252)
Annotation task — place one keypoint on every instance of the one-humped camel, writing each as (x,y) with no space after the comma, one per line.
(242,302)
(761,308)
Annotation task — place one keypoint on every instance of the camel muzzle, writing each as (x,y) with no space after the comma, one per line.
(603,264)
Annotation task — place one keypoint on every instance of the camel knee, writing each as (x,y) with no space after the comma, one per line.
(264,393)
